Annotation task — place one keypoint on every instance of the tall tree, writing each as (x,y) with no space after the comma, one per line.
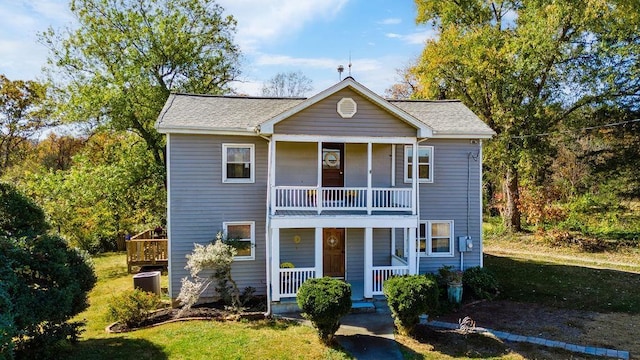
(525,66)
(23,112)
(126,56)
(291,84)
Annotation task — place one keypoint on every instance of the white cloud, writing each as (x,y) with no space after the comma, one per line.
(269,20)
(285,60)
(390,21)
(415,38)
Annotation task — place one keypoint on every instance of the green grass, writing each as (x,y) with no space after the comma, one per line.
(566,286)
(186,340)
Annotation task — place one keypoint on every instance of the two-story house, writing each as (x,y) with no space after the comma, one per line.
(343,184)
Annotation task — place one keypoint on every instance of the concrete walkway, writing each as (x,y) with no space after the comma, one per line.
(590,350)
(370,335)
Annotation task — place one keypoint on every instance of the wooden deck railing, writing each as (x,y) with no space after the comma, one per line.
(148,248)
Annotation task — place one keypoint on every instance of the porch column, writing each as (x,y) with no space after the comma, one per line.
(275,264)
(272,176)
(415,180)
(319,194)
(369,182)
(318,253)
(412,251)
(368,262)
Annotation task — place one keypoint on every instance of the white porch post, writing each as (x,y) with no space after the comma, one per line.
(275,264)
(319,195)
(272,175)
(318,253)
(368,262)
(369,182)
(412,251)
(414,177)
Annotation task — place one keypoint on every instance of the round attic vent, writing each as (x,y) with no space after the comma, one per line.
(347,107)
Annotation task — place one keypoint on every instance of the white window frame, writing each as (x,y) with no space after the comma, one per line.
(428,238)
(252,163)
(252,224)
(407,174)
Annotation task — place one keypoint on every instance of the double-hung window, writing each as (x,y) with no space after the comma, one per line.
(238,163)
(424,163)
(436,238)
(242,235)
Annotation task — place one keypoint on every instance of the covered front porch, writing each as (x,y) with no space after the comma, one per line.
(363,256)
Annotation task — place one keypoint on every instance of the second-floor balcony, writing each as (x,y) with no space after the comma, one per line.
(333,199)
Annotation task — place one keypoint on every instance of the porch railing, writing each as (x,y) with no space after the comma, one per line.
(292,279)
(347,198)
(382,273)
(148,248)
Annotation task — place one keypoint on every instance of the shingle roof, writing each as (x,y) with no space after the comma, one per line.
(187,112)
(446,117)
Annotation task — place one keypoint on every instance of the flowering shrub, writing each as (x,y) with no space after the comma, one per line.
(218,257)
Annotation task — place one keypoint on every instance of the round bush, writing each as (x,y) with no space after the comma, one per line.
(132,307)
(324,301)
(480,283)
(409,297)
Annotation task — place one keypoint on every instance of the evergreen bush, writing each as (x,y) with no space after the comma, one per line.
(324,301)
(409,297)
(480,283)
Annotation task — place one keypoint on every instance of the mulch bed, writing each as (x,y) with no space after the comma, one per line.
(215,311)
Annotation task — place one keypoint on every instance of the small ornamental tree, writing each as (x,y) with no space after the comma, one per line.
(324,301)
(217,258)
(409,297)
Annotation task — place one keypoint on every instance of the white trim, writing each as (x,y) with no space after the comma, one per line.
(169,237)
(428,239)
(275,264)
(407,180)
(423,130)
(393,165)
(368,262)
(208,131)
(252,225)
(319,254)
(345,139)
(252,163)
(343,221)
(443,135)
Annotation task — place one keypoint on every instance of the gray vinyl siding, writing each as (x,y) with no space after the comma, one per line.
(355,165)
(355,254)
(381,247)
(301,254)
(296,164)
(446,198)
(200,203)
(322,118)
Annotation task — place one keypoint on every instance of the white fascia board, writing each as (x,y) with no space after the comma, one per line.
(344,139)
(462,136)
(266,128)
(207,131)
(344,221)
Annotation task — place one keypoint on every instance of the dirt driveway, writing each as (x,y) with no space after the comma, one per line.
(613,330)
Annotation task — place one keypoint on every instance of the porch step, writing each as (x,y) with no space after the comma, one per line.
(362,307)
(289,306)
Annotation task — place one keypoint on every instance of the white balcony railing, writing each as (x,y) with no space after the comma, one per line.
(291,279)
(382,273)
(345,198)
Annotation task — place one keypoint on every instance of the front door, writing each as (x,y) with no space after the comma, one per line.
(333,252)
(332,165)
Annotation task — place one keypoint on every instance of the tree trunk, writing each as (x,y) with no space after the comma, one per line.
(511,213)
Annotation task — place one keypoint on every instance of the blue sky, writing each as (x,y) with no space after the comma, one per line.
(312,36)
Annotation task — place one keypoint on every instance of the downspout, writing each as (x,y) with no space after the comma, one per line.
(268,224)
(418,210)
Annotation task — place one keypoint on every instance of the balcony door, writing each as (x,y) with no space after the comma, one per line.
(332,165)
(333,252)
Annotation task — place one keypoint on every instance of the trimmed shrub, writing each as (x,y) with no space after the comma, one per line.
(480,283)
(323,302)
(409,297)
(132,307)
